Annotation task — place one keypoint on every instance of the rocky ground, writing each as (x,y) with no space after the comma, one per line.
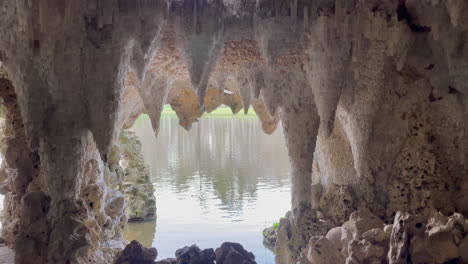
(410,238)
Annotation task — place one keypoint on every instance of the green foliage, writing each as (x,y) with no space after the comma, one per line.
(136,186)
(275,225)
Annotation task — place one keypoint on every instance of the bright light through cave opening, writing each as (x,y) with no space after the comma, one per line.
(225,178)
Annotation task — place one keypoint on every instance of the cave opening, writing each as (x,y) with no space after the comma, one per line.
(371,96)
(222,178)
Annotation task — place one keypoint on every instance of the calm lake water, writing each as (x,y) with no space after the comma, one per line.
(225,180)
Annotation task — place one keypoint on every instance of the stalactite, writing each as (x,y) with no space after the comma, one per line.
(201,42)
(272,93)
(325,68)
(232,97)
(154,91)
(245,89)
(184,102)
(220,79)
(391,74)
(257,80)
(214,97)
(269,123)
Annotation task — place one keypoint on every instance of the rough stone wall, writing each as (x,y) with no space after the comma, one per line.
(105,208)
(136,184)
(398,141)
(410,238)
(67,62)
(20,166)
(399,124)
(24,220)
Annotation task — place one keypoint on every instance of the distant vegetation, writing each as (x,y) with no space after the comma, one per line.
(275,225)
(220,111)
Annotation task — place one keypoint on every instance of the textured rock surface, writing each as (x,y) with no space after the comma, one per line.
(371,95)
(438,239)
(295,231)
(136,184)
(16,152)
(411,239)
(270,235)
(321,250)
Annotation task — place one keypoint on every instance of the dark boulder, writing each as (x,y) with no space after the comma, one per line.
(194,255)
(135,253)
(233,253)
(167,261)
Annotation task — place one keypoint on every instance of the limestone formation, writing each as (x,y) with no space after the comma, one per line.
(411,239)
(136,184)
(321,250)
(438,239)
(371,95)
(337,203)
(295,231)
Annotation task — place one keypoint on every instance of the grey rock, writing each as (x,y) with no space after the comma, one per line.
(270,234)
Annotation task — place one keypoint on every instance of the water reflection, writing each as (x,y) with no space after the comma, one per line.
(224,179)
(143,231)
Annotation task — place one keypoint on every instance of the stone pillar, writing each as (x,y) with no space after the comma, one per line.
(68,63)
(300,130)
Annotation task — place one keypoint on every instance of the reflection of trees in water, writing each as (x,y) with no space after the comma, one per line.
(229,157)
(142,231)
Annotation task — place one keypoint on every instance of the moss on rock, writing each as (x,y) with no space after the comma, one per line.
(136,184)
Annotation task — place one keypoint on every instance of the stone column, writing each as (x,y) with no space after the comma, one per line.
(68,63)
(300,130)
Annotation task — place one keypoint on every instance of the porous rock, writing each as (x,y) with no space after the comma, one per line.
(136,184)
(321,250)
(371,96)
